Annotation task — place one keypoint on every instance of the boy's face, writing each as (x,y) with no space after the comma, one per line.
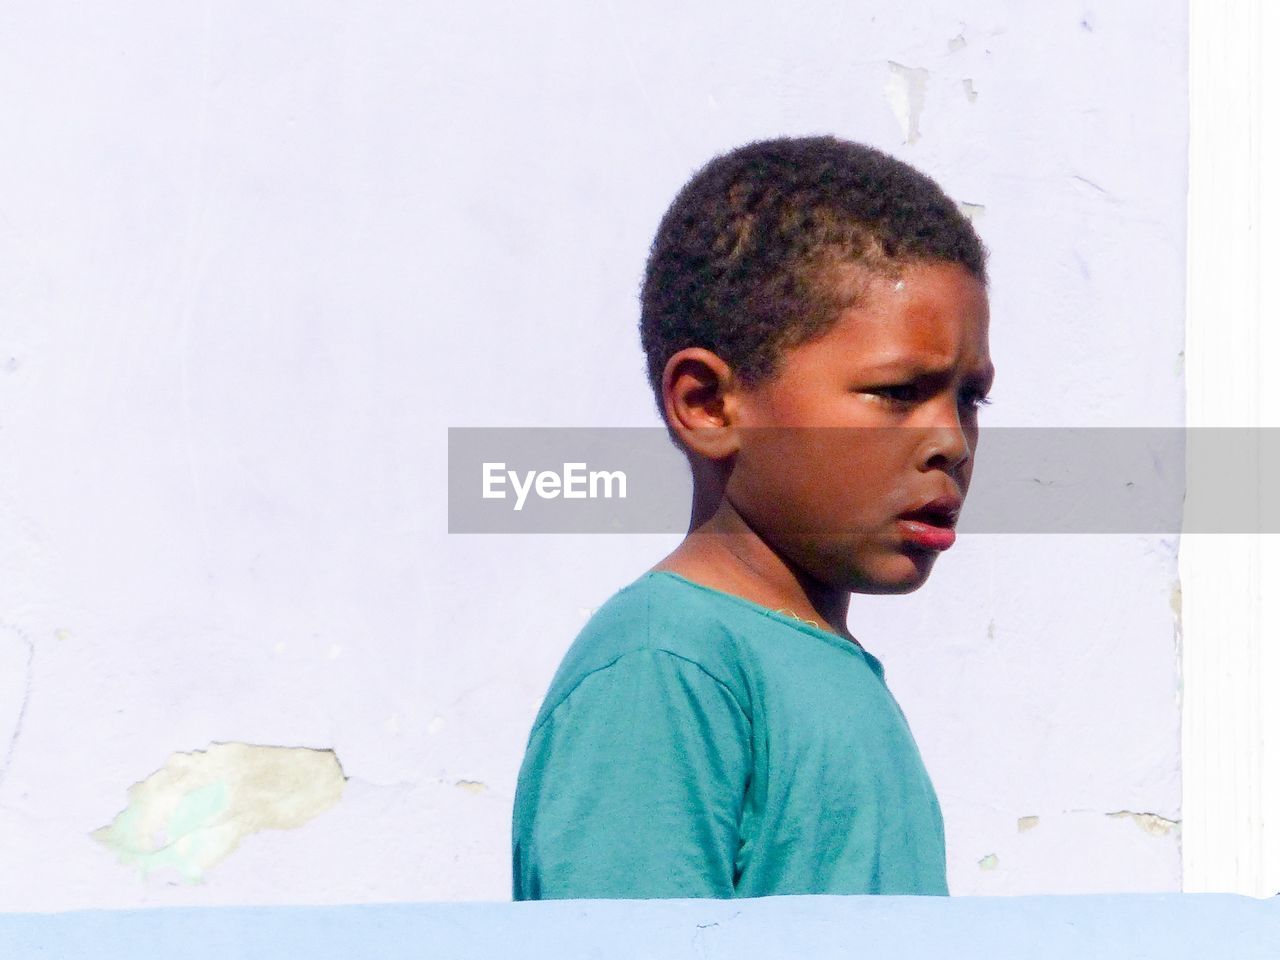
(856,455)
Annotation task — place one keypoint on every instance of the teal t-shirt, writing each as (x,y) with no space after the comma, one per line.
(696,744)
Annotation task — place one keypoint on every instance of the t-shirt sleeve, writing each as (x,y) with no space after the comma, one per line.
(633,786)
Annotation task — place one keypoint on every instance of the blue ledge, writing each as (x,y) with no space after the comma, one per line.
(1164,926)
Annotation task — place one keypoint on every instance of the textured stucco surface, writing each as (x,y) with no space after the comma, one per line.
(255,260)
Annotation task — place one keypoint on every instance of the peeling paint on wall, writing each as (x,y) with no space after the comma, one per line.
(1152,823)
(905,91)
(1027,823)
(194,811)
(970,91)
(974,211)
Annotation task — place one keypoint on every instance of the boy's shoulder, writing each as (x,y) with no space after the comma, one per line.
(661,614)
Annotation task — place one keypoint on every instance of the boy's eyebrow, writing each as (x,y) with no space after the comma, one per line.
(915,366)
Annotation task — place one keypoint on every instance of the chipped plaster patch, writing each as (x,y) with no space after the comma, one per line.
(1152,823)
(970,91)
(989,862)
(974,211)
(194,811)
(1027,823)
(472,786)
(905,91)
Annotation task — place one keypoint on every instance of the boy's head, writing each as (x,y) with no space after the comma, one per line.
(815,318)
(742,262)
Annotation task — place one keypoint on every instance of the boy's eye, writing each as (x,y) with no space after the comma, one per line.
(908,393)
(897,393)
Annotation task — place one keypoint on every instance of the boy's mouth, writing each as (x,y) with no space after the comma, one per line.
(931,526)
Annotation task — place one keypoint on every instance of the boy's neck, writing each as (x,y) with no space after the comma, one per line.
(724,553)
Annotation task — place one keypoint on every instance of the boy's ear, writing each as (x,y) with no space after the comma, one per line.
(697,397)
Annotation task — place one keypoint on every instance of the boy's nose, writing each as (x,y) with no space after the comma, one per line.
(949,452)
(947,444)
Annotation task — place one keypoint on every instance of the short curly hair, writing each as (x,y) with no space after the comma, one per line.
(742,262)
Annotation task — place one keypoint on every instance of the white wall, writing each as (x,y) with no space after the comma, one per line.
(1230,657)
(255,259)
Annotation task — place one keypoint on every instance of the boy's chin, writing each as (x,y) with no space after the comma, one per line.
(895,574)
(862,567)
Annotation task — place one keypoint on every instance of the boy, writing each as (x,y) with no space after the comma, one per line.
(814,315)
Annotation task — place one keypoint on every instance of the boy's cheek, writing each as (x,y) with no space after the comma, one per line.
(834,496)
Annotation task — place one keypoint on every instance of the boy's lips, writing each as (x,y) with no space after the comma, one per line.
(931,525)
